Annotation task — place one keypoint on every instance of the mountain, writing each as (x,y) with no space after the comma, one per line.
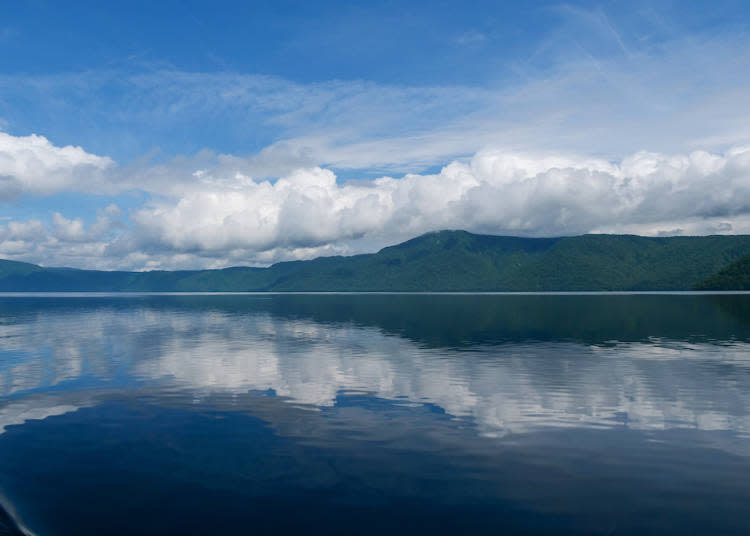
(735,276)
(440,261)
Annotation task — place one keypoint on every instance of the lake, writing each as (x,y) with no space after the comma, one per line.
(375,414)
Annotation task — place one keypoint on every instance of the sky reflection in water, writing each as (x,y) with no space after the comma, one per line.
(366,413)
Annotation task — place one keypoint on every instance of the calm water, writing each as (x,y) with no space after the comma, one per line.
(375,414)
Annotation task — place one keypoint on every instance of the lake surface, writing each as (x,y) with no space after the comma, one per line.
(375,414)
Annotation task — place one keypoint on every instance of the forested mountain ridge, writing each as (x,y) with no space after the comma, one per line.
(735,276)
(440,261)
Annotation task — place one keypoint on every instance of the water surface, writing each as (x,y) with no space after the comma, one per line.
(373,414)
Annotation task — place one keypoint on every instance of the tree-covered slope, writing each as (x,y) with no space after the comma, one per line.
(735,276)
(460,261)
(14,268)
(442,261)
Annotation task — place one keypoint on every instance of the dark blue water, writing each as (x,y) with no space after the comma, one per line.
(375,414)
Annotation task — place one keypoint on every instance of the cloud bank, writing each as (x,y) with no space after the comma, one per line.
(206,211)
(496,191)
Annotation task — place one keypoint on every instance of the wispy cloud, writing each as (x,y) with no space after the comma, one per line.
(471,37)
(676,96)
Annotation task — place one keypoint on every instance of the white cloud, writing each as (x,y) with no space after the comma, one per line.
(223,217)
(498,192)
(32,164)
(64,241)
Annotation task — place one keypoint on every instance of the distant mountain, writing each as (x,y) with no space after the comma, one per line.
(442,261)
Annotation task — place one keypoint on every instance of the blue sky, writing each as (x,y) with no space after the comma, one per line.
(85,54)
(184,134)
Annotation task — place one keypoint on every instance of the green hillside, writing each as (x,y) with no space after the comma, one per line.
(442,261)
(735,276)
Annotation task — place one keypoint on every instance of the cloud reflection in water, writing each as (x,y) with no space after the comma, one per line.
(52,361)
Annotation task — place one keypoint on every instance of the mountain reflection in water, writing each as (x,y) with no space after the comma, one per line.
(600,414)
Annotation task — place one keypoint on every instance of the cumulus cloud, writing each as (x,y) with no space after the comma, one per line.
(206,211)
(32,164)
(65,241)
(496,191)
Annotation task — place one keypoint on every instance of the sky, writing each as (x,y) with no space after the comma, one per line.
(184,134)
